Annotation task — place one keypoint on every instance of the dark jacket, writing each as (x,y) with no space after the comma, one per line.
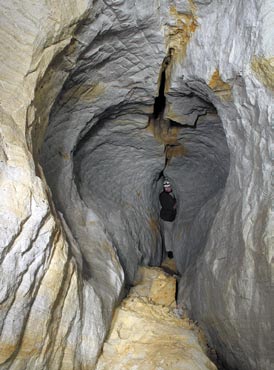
(168,204)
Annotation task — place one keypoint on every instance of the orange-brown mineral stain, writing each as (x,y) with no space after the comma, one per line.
(162,131)
(175,151)
(264,70)
(167,135)
(221,88)
(180,34)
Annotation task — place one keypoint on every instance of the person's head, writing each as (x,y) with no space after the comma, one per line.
(167,186)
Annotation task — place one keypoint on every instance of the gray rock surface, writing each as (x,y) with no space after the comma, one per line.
(88,74)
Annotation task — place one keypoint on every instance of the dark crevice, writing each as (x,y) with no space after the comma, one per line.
(160,100)
(161,175)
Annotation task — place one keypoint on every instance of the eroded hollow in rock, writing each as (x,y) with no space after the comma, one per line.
(117,170)
(117,167)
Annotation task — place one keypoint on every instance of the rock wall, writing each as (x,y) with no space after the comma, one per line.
(51,316)
(228,289)
(96,68)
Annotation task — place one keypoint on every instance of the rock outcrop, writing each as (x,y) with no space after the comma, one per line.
(146,334)
(83,147)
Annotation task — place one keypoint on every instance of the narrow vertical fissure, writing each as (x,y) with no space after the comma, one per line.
(160,100)
(162,125)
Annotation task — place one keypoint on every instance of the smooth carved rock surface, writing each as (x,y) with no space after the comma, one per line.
(66,252)
(147,335)
(51,315)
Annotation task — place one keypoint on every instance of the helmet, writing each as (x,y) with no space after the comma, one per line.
(166,183)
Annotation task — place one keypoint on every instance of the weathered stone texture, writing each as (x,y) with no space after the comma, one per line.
(78,82)
(146,334)
(44,295)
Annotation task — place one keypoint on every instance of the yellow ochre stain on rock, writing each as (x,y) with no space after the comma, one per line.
(7,349)
(175,151)
(221,88)
(180,34)
(167,135)
(85,93)
(162,132)
(264,70)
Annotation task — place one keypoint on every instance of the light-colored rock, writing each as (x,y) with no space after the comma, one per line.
(95,67)
(43,295)
(50,310)
(146,335)
(155,285)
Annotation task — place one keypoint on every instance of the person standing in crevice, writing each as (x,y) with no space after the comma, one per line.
(167,215)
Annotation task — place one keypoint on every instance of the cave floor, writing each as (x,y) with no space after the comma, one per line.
(148,332)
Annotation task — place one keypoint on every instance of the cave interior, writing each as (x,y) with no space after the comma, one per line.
(118,165)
